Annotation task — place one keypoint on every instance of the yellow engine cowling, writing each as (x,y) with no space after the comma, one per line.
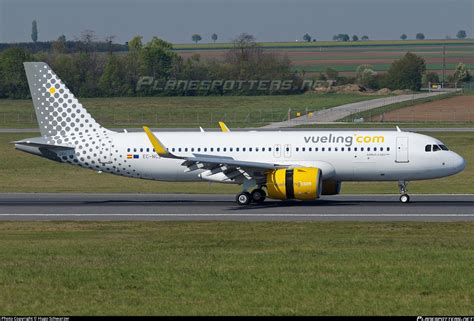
(303,183)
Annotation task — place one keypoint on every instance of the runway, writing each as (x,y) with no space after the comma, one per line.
(200,207)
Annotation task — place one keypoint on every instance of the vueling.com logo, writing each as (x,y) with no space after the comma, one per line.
(346,140)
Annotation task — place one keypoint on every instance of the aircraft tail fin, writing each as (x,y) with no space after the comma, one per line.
(58,111)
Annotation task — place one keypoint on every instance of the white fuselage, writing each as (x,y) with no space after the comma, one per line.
(341,155)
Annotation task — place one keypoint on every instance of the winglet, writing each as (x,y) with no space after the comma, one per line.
(157,145)
(223,126)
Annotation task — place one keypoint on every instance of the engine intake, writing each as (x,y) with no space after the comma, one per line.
(302,183)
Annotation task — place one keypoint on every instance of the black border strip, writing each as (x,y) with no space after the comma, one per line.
(290,192)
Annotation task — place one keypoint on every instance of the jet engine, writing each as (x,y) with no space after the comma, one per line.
(302,183)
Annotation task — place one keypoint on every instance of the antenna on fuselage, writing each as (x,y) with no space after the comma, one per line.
(201,129)
(398,129)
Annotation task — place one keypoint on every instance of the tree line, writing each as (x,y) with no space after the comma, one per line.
(91,73)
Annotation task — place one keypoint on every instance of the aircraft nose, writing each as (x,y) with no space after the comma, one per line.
(458,163)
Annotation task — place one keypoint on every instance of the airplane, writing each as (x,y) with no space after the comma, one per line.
(282,165)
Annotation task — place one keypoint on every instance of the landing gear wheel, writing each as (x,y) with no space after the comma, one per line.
(244,198)
(405,198)
(258,195)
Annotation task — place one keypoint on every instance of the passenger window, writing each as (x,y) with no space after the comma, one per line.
(329,149)
(243,149)
(270,149)
(297,149)
(310,149)
(250,149)
(212,149)
(348,149)
(428,148)
(236,149)
(231,149)
(256,149)
(388,149)
(368,149)
(303,149)
(218,149)
(316,149)
(179,149)
(322,149)
(436,148)
(335,149)
(205,149)
(263,149)
(362,149)
(342,149)
(128,150)
(135,150)
(192,149)
(141,149)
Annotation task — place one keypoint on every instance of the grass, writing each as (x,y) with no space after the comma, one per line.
(236,268)
(21,172)
(206,111)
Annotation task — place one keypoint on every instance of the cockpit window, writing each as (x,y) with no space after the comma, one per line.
(428,148)
(443,147)
(436,148)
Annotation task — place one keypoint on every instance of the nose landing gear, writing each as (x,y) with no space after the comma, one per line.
(402,186)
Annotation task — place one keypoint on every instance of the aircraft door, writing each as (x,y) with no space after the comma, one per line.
(402,150)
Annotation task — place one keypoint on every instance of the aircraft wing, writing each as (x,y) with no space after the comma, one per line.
(228,165)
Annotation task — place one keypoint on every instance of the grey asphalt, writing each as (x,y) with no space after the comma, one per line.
(199,207)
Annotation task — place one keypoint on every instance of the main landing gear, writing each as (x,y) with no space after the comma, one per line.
(402,186)
(258,195)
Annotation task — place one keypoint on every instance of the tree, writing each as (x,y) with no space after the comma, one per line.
(355,38)
(13,82)
(403,37)
(196,38)
(34,31)
(420,36)
(112,82)
(307,38)
(366,76)
(406,73)
(341,37)
(461,73)
(331,73)
(59,46)
(364,38)
(430,77)
(461,34)
(214,37)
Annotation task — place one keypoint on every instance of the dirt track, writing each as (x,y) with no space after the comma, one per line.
(455,109)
